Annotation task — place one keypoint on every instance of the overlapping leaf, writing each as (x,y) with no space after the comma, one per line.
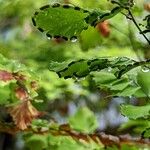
(37,142)
(49,141)
(118,87)
(12,76)
(137,126)
(135,112)
(60,20)
(67,21)
(107,73)
(143,80)
(146,133)
(83,67)
(11,65)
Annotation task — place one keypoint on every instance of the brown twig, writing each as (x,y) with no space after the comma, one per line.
(65,130)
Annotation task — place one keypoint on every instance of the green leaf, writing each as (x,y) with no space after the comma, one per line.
(64,143)
(146,133)
(14,74)
(120,84)
(128,91)
(135,112)
(83,120)
(140,93)
(60,20)
(143,79)
(68,143)
(118,87)
(124,3)
(129,147)
(75,68)
(37,142)
(90,38)
(98,16)
(136,126)
(106,73)
(104,79)
(68,21)
(83,67)
(11,65)
(112,147)
(55,66)
(5,94)
(40,124)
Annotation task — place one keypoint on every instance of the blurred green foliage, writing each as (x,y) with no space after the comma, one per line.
(60,98)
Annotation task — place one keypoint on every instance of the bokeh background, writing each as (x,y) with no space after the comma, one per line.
(20,40)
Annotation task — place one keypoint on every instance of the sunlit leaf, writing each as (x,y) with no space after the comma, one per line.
(83,120)
(90,38)
(83,67)
(134,112)
(118,87)
(68,21)
(106,73)
(128,91)
(11,65)
(143,79)
(60,21)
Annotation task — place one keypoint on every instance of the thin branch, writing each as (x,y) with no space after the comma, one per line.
(134,21)
(131,17)
(65,130)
